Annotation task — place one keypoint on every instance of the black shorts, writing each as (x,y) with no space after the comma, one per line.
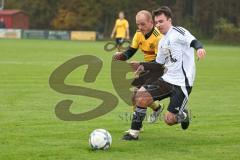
(146,77)
(119,41)
(161,89)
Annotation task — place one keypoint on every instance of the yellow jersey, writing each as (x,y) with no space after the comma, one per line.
(148,46)
(121,28)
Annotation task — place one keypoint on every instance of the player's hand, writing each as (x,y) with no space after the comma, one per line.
(127,37)
(134,65)
(119,56)
(201,53)
(139,70)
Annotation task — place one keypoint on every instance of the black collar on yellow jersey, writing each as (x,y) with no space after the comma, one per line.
(149,34)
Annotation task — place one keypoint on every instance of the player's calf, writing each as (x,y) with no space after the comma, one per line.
(136,125)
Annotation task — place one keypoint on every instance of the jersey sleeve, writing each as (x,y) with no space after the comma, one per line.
(135,41)
(187,37)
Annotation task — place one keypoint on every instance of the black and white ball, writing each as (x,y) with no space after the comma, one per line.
(100,139)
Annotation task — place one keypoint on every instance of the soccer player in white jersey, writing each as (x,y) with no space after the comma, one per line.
(176,54)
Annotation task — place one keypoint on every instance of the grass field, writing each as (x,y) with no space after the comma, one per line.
(29,128)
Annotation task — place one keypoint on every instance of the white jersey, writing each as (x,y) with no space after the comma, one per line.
(175,53)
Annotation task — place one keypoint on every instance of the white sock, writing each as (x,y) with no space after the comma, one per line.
(134,133)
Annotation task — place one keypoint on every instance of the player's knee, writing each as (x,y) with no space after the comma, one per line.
(170,118)
(143,99)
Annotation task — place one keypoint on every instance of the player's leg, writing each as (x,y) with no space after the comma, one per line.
(134,105)
(144,97)
(177,111)
(154,106)
(157,109)
(119,42)
(184,109)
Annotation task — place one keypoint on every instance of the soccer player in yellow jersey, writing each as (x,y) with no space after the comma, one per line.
(146,38)
(121,29)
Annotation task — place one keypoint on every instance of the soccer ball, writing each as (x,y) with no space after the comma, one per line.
(100,139)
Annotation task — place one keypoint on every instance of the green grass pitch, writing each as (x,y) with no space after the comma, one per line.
(29,128)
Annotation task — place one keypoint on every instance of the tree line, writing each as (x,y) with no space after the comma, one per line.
(206,18)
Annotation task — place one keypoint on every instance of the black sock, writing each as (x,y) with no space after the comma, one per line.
(156,109)
(138,117)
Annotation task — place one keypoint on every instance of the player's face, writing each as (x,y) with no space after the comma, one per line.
(144,24)
(163,23)
(121,15)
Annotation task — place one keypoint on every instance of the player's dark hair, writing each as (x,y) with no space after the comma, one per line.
(163,10)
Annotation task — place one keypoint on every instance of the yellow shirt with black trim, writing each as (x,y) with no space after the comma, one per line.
(148,46)
(121,28)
